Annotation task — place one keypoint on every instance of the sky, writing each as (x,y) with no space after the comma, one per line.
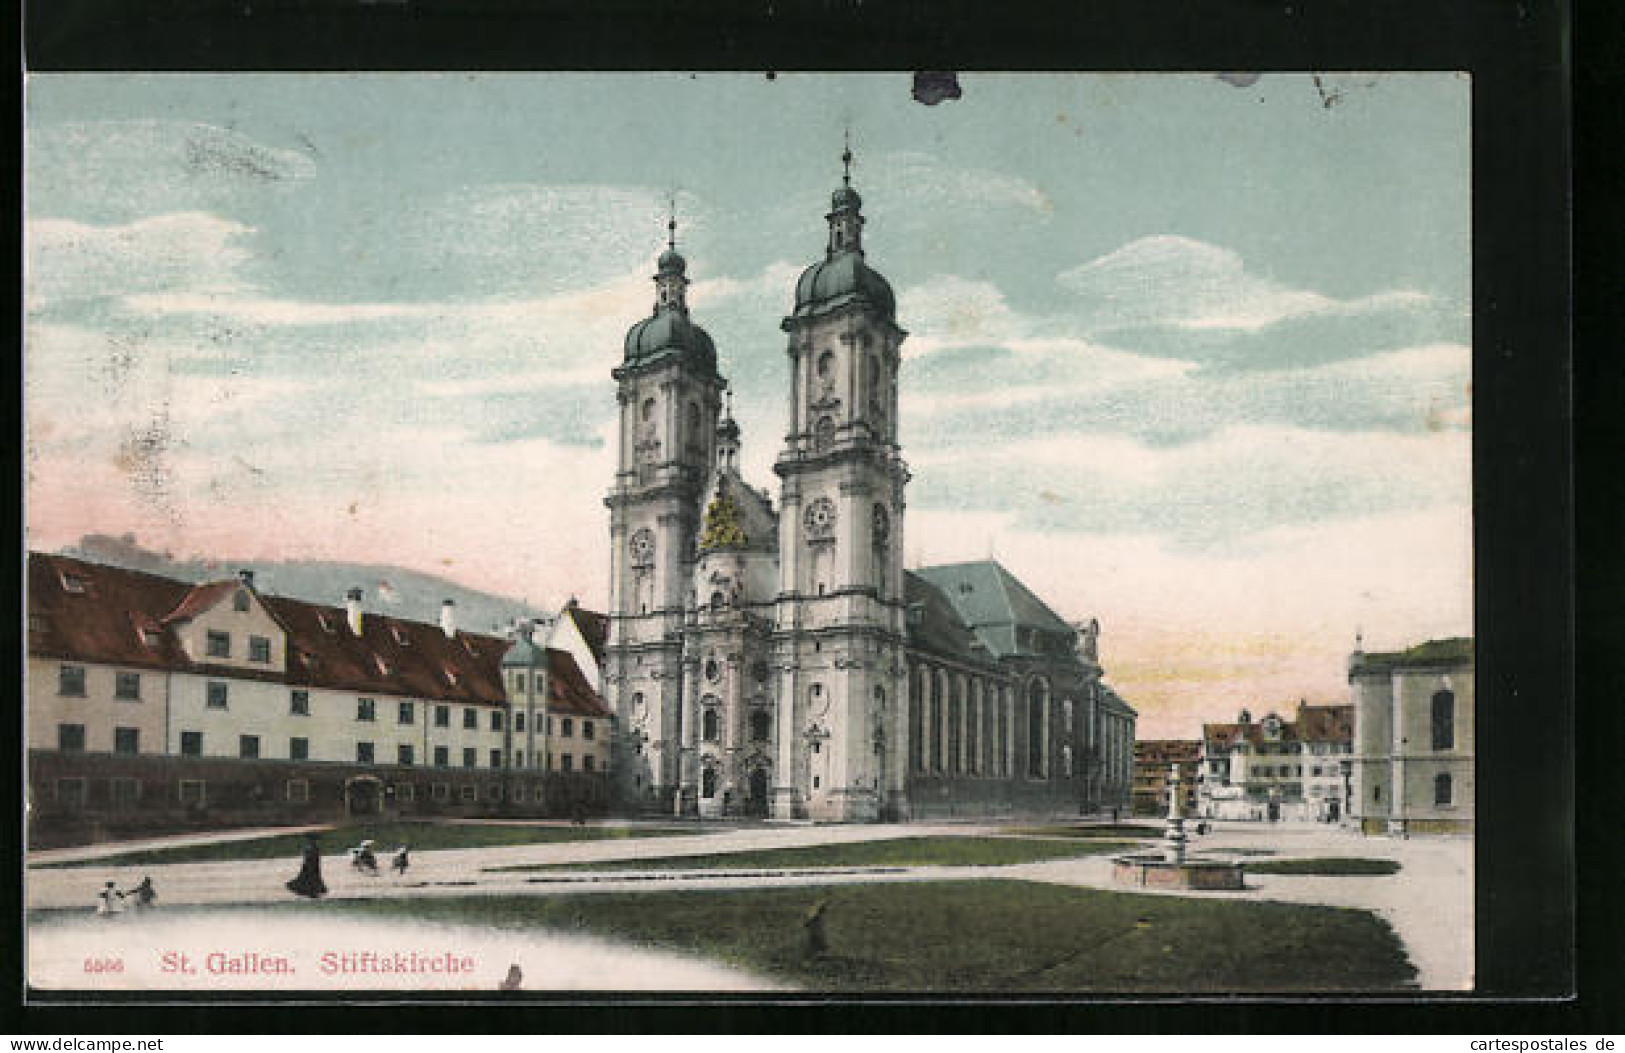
(1188,355)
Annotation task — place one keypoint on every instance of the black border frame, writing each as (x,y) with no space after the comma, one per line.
(1517,53)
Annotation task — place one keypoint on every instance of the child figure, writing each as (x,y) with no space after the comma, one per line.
(143,893)
(108,901)
(401,861)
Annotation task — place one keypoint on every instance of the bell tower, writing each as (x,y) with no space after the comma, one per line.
(839,621)
(670,395)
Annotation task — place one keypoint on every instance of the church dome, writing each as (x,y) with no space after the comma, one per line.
(845,198)
(842,279)
(671,262)
(669,330)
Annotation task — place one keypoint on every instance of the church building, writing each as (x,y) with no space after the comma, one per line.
(778,659)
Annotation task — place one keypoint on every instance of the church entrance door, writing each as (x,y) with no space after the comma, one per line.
(756,804)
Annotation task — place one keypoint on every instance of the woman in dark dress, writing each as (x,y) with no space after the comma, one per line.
(309,881)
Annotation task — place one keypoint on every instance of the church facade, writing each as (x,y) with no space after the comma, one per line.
(778,659)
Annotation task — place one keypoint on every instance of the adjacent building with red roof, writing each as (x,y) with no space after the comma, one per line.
(1274,769)
(150,699)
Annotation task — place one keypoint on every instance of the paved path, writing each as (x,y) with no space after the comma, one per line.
(1429,902)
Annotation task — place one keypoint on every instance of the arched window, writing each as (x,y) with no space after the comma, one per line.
(693,423)
(936,720)
(717,601)
(916,720)
(648,411)
(1037,732)
(760,724)
(1444,720)
(1443,791)
(708,783)
(973,725)
(709,725)
(955,713)
(826,366)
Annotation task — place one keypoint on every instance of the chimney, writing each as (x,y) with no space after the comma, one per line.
(246,577)
(352,609)
(448,618)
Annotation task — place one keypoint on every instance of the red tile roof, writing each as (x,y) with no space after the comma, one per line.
(1314,724)
(104,624)
(594,628)
(1166,751)
(569,692)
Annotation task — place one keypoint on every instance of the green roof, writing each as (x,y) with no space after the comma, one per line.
(994,603)
(1434,652)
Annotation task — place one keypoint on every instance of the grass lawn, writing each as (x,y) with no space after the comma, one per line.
(1095,830)
(903,851)
(968,936)
(388,836)
(1329,867)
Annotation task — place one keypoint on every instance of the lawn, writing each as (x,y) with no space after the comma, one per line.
(1328,867)
(905,851)
(387,837)
(1090,830)
(990,936)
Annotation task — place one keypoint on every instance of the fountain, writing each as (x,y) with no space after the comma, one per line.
(1173,866)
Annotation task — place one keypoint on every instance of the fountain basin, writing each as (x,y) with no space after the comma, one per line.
(1158,871)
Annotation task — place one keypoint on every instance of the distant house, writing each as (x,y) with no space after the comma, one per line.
(1153,758)
(1414,731)
(1274,769)
(153,702)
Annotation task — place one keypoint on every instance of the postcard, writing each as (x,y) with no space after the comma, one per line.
(965,535)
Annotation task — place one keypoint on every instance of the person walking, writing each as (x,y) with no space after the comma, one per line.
(143,893)
(401,861)
(308,882)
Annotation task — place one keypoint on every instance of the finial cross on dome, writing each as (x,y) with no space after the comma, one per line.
(671,221)
(846,160)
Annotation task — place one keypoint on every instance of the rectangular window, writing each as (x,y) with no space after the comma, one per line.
(471,757)
(70,680)
(469,792)
(259,649)
(248,747)
(403,755)
(365,709)
(218,645)
(406,791)
(124,793)
(493,792)
(217,694)
(496,720)
(299,703)
(363,753)
(442,716)
(566,762)
(406,713)
(73,583)
(127,687)
(298,749)
(566,728)
(298,791)
(587,730)
(519,758)
(496,758)
(519,722)
(70,738)
(588,762)
(192,791)
(441,792)
(519,681)
(442,757)
(471,719)
(191,744)
(127,740)
(239,600)
(70,794)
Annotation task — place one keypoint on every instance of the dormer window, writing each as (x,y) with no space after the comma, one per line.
(74,583)
(382,663)
(451,676)
(325,622)
(400,636)
(239,601)
(151,637)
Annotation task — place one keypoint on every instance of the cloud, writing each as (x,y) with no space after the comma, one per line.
(70,261)
(121,170)
(926,184)
(1178,281)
